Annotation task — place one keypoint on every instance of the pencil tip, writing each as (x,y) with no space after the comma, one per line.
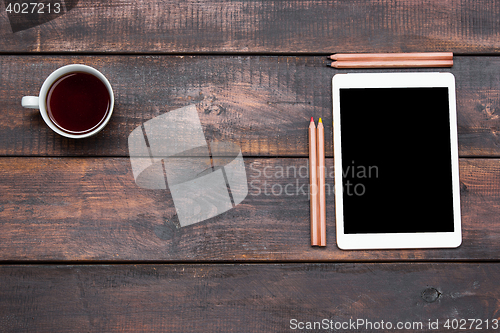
(319,121)
(312,120)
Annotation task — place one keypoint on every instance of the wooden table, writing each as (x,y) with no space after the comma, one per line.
(83,248)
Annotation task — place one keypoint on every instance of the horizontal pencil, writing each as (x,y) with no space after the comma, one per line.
(392,56)
(392,64)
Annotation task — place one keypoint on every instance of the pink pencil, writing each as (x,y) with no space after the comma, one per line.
(392,64)
(321,183)
(313,183)
(392,56)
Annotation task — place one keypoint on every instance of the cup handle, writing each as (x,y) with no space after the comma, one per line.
(30,102)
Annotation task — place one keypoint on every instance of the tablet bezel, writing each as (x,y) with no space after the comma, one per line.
(395,240)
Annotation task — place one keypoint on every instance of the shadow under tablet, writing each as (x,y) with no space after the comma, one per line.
(396,160)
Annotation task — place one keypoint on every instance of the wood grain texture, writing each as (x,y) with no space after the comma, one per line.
(242,298)
(263,26)
(75,201)
(91,209)
(263,104)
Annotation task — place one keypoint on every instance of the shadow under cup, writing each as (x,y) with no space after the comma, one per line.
(78,103)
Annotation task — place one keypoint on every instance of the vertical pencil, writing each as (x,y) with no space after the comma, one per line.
(320,132)
(313,183)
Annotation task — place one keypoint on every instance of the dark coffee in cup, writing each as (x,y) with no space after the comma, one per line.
(75,101)
(78,102)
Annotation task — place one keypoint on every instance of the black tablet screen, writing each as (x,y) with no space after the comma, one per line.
(396,160)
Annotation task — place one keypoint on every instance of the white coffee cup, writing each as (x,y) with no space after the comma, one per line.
(40,101)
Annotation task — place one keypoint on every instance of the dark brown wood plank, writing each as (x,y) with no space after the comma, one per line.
(91,209)
(245,298)
(258,26)
(261,103)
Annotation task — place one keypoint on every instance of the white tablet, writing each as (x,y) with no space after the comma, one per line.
(396,161)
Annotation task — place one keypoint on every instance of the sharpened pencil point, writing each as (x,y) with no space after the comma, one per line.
(312,120)
(319,121)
